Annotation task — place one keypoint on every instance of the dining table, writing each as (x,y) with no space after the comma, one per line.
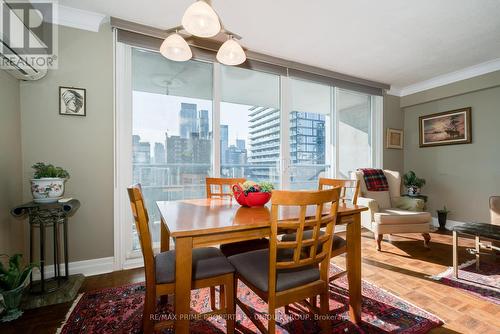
(193,223)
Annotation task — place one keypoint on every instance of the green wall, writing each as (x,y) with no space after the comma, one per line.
(11,230)
(82,145)
(462,177)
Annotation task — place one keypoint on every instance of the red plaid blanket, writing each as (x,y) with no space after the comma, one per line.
(375,179)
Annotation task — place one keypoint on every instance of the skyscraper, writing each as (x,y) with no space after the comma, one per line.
(203,124)
(159,154)
(188,123)
(224,142)
(240,143)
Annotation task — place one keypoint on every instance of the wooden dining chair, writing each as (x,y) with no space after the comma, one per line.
(217,187)
(210,268)
(349,192)
(285,273)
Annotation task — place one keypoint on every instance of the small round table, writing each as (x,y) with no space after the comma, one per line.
(41,215)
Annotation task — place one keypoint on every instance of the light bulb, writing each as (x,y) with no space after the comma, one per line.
(201,20)
(174,47)
(231,53)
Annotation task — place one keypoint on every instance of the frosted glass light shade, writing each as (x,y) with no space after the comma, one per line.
(201,20)
(174,47)
(231,53)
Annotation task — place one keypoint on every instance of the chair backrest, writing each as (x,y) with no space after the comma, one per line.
(141,219)
(221,187)
(318,245)
(347,188)
(495,210)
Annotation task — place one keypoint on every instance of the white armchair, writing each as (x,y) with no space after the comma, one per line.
(389,212)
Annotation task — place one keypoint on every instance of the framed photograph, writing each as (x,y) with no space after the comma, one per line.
(72,101)
(446,128)
(394,139)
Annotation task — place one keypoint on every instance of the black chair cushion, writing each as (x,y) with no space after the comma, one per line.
(338,242)
(207,262)
(234,248)
(254,267)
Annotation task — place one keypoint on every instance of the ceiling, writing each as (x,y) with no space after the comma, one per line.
(391,41)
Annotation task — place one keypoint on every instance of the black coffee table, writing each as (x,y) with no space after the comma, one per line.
(480,232)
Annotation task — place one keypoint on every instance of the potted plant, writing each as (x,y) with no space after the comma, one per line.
(251,193)
(442,216)
(47,185)
(13,281)
(413,183)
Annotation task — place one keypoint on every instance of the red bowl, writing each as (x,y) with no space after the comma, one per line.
(251,199)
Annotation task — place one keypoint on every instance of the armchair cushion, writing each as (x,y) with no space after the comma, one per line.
(408,203)
(398,217)
(382,198)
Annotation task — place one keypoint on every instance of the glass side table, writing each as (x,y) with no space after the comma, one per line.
(42,216)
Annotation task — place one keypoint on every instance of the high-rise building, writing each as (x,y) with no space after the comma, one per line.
(141,151)
(188,122)
(204,124)
(236,155)
(159,154)
(224,142)
(240,143)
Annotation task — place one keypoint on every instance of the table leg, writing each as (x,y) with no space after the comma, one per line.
(164,237)
(354,269)
(32,230)
(54,234)
(455,254)
(42,257)
(478,249)
(65,237)
(183,277)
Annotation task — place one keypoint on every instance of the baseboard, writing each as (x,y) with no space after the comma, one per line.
(87,267)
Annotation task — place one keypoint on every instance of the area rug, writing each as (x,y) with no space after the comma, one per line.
(119,310)
(484,283)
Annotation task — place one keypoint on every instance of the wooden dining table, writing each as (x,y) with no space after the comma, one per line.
(208,222)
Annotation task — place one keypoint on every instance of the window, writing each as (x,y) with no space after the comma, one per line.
(354,111)
(250,125)
(310,133)
(171,129)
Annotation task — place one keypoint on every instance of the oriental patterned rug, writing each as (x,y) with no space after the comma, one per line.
(119,310)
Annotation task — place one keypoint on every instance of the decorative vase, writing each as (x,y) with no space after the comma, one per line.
(47,190)
(250,199)
(442,216)
(413,191)
(12,300)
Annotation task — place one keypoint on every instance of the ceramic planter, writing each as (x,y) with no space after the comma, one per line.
(12,300)
(47,190)
(442,216)
(413,191)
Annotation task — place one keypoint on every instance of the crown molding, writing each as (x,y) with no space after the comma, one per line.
(79,18)
(448,78)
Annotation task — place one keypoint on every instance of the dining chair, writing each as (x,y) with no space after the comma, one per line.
(349,192)
(210,268)
(285,273)
(217,187)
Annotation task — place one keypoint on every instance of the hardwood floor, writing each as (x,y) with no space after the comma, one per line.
(402,268)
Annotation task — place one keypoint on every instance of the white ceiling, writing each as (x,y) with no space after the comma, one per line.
(399,42)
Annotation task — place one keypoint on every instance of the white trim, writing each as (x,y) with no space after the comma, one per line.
(79,18)
(449,223)
(448,78)
(86,267)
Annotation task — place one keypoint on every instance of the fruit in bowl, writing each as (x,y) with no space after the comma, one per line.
(251,193)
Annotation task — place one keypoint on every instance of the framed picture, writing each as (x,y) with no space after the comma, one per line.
(394,139)
(446,128)
(72,101)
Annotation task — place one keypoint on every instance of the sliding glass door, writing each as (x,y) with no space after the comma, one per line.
(250,125)
(171,129)
(179,122)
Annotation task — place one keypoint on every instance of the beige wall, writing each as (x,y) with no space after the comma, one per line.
(82,145)
(462,177)
(11,230)
(393,118)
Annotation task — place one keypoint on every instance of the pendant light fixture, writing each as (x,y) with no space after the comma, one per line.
(231,53)
(201,20)
(174,47)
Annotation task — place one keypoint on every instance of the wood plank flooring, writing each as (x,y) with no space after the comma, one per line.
(402,268)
